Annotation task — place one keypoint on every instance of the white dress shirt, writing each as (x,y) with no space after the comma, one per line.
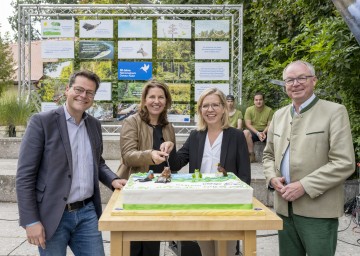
(285,163)
(211,155)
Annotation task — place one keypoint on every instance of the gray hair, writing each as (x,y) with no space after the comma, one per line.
(307,64)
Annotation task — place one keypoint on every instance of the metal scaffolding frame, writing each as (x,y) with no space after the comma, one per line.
(29,13)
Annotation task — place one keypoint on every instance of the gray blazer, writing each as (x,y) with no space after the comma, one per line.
(44,173)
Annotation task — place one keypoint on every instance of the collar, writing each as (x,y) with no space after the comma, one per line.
(259,109)
(69,117)
(306,105)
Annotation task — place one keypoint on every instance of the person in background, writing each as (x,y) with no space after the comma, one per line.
(308,156)
(214,142)
(235,115)
(59,169)
(257,120)
(140,139)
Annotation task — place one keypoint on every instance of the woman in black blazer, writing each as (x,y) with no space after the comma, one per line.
(213,142)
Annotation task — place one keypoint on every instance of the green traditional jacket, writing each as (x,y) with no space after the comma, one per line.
(321,157)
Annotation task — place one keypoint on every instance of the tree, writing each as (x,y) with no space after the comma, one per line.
(6,64)
(278,32)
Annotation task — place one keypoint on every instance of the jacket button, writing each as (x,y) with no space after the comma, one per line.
(69,176)
(290,123)
(65,198)
(288,139)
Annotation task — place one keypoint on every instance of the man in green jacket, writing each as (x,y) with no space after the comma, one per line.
(308,156)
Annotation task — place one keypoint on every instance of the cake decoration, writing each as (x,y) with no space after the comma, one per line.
(149,176)
(165,176)
(197,174)
(221,170)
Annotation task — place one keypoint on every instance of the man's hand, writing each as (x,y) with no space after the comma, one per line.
(262,136)
(277,183)
(158,156)
(293,191)
(36,235)
(167,147)
(118,183)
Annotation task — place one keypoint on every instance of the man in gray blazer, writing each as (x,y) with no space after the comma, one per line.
(308,156)
(59,169)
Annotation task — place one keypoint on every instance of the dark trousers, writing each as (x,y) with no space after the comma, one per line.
(150,248)
(304,235)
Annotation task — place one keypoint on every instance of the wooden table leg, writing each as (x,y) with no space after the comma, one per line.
(249,243)
(221,247)
(126,248)
(116,243)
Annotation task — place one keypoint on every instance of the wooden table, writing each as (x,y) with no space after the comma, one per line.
(173,227)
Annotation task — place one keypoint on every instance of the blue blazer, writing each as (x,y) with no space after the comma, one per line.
(234,155)
(45,171)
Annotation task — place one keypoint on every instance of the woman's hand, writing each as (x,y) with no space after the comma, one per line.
(158,156)
(167,147)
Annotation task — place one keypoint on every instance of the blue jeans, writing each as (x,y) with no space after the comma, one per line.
(79,230)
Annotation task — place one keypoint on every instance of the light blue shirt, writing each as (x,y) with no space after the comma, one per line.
(82,186)
(285,163)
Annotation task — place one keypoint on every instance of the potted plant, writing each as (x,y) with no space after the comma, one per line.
(4,126)
(21,114)
(15,114)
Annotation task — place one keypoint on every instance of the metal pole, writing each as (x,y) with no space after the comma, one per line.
(230,12)
(19,52)
(240,83)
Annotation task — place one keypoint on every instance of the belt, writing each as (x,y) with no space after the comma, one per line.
(77,205)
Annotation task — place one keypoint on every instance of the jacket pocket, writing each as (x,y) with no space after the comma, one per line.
(40,189)
(311,133)
(317,143)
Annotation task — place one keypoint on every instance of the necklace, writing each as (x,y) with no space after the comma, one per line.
(153,125)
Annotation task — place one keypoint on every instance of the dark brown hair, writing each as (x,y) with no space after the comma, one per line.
(85,73)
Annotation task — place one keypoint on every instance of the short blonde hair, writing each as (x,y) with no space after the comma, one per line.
(202,125)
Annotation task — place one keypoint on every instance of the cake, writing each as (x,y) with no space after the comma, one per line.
(184,192)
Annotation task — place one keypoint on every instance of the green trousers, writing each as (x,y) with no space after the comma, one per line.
(303,236)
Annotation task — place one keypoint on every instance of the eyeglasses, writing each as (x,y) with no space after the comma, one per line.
(214,106)
(79,90)
(300,80)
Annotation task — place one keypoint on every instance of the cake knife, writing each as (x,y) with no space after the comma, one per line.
(167,161)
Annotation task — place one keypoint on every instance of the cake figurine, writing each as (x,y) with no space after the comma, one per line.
(149,176)
(221,170)
(165,176)
(197,174)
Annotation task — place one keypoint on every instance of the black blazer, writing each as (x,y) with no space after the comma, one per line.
(234,155)
(44,172)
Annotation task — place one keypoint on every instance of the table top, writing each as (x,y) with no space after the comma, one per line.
(265,219)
